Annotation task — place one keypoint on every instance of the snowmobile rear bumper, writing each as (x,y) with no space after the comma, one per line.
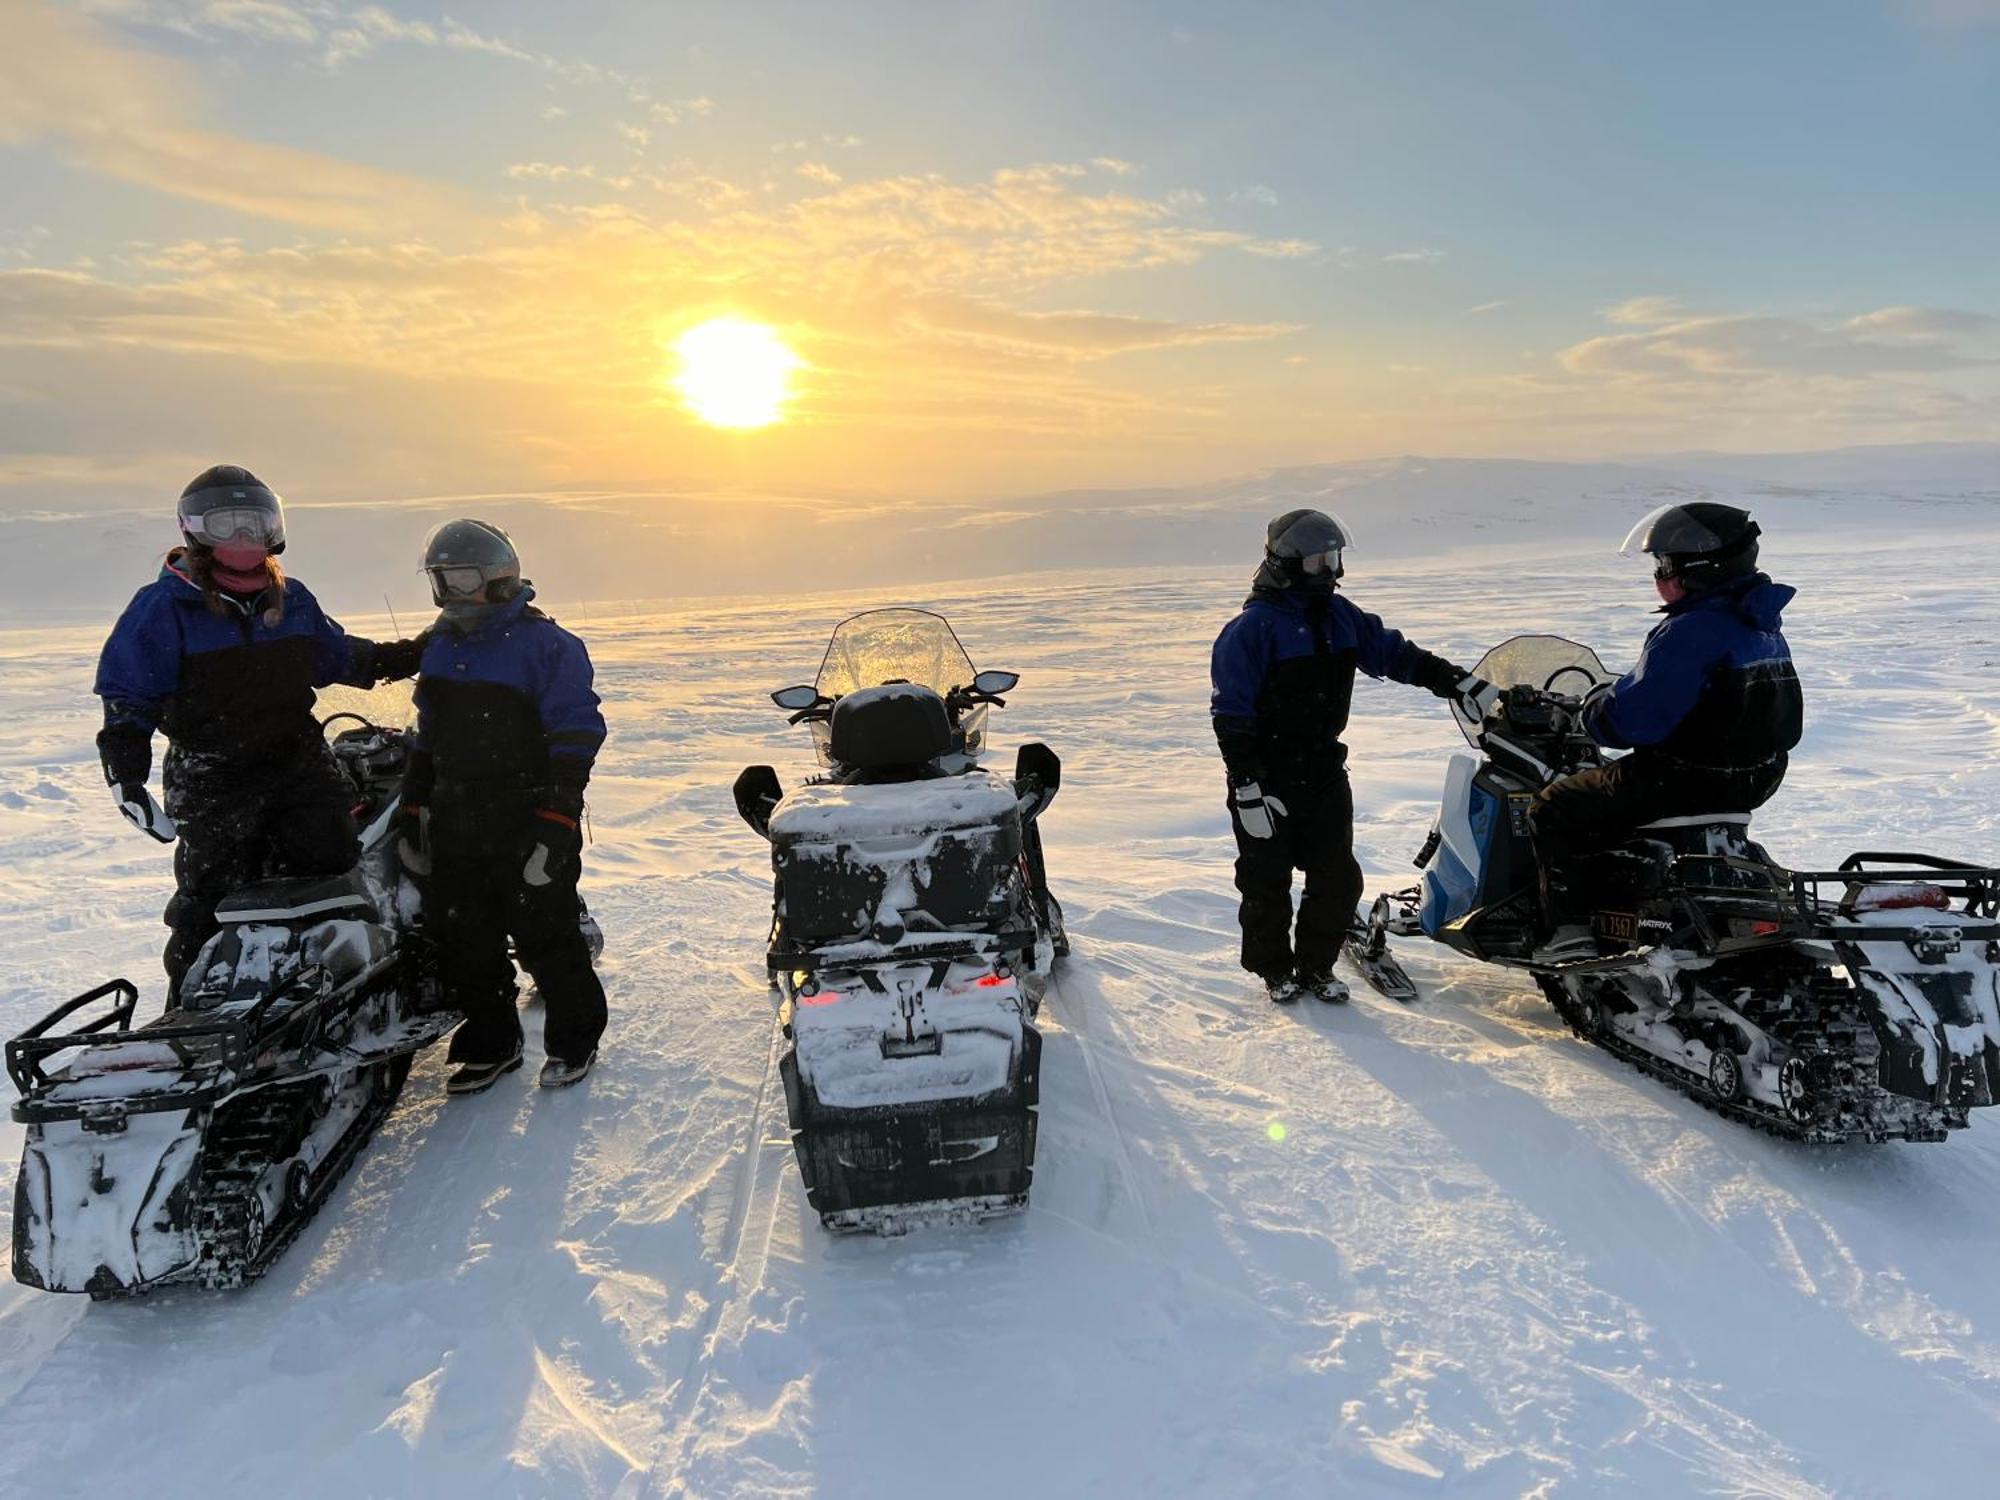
(888,1166)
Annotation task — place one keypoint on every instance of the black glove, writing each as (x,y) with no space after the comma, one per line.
(142,812)
(1474,697)
(554,849)
(395,660)
(1256,809)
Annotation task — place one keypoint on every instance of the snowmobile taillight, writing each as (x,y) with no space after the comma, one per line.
(820,997)
(1762,929)
(1913,896)
(991,981)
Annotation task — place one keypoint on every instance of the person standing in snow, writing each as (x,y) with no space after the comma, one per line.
(508,729)
(1283,675)
(223,651)
(1710,713)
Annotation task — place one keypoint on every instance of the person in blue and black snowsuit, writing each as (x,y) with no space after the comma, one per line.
(1283,673)
(1710,713)
(224,652)
(508,730)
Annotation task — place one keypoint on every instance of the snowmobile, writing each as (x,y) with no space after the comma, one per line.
(195,1147)
(1861,1003)
(912,932)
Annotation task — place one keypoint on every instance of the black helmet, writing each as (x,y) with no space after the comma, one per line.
(227,502)
(1702,543)
(463,557)
(1305,547)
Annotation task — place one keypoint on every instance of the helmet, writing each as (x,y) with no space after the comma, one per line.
(1700,544)
(229,504)
(1304,546)
(464,557)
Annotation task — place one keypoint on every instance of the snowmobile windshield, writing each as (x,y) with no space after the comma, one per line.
(893,645)
(1547,662)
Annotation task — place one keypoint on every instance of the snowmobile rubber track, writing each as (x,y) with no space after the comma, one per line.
(1820,1132)
(238,1154)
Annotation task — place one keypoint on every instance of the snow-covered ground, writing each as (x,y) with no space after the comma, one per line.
(1371,1250)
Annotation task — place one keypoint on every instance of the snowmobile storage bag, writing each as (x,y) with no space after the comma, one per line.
(875,861)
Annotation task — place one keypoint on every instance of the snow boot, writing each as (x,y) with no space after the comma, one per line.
(477,1077)
(1282,988)
(1329,989)
(558,1074)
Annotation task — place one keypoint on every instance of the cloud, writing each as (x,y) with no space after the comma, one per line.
(1423,256)
(1892,341)
(1646,312)
(1116,166)
(818,171)
(1487,307)
(1075,335)
(124,114)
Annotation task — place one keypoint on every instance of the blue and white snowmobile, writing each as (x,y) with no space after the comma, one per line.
(912,932)
(1855,1004)
(195,1147)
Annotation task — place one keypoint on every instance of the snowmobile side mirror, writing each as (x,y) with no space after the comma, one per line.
(757,791)
(1038,767)
(796,697)
(995,682)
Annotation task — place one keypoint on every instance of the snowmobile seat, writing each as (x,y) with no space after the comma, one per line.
(896,725)
(298,899)
(1700,833)
(1698,820)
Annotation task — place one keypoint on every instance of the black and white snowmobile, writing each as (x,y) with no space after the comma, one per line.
(913,932)
(1855,1004)
(193,1148)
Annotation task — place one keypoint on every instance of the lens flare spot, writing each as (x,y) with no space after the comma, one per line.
(734,373)
(1276,1130)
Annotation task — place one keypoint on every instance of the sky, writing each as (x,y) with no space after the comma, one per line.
(392,250)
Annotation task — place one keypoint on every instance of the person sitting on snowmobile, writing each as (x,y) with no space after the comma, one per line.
(1709,713)
(223,651)
(508,729)
(1283,673)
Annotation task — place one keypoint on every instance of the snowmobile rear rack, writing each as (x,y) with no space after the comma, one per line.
(793,958)
(209,1053)
(1978,886)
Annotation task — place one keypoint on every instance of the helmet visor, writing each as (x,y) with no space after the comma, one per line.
(226,523)
(1670,529)
(1311,533)
(456,583)
(1316,563)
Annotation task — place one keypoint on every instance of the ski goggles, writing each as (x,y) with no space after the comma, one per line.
(456,581)
(225,523)
(1315,563)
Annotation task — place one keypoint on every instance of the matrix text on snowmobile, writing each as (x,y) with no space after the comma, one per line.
(1861,1003)
(912,931)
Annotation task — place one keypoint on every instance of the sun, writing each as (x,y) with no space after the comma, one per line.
(734,373)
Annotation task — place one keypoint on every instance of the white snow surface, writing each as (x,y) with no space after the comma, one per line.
(1370,1250)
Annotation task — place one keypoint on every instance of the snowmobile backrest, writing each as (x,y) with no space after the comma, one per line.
(939,855)
(1700,833)
(298,899)
(899,724)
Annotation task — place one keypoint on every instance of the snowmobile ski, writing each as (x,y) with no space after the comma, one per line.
(1367,948)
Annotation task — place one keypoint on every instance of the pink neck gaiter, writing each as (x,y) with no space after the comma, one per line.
(241,568)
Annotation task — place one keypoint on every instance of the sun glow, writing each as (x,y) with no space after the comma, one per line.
(734,373)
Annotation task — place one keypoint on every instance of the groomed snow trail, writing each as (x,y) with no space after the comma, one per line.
(1362,1250)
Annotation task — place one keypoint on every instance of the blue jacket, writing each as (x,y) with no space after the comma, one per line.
(1283,680)
(1714,685)
(239,685)
(506,711)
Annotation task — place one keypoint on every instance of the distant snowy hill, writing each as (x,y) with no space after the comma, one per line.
(602,552)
